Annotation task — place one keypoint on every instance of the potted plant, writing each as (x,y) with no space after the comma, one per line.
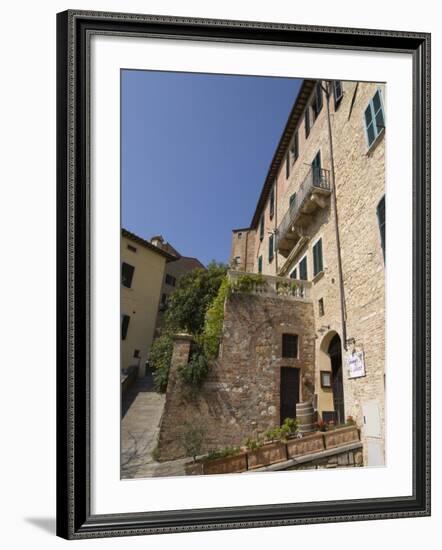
(225,461)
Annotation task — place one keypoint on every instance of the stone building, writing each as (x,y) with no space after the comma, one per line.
(320,218)
(172,274)
(142,273)
(317,332)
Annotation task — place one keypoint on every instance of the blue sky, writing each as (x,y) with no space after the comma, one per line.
(195,151)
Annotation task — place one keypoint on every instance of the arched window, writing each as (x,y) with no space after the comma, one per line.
(380,211)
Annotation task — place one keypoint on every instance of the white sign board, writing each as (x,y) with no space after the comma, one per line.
(356,364)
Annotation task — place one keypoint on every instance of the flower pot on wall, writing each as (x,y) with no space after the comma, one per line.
(226,465)
(267,454)
(306,445)
(341,436)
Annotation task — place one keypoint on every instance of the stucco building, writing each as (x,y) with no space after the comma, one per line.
(172,274)
(320,219)
(142,272)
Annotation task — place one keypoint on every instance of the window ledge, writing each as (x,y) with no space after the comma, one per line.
(318,276)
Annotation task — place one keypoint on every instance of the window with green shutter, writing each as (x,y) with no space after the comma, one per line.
(303,269)
(294,274)
(261,228)
(260,264)
(272,202)
(317,258)
(293,200)
(307,121)
(374,119)
(271,248)
(317,101)
(338,92)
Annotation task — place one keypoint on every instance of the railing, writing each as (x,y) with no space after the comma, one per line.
(268,285)
(316,179)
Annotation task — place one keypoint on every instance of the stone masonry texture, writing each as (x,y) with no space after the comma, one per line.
(241,396)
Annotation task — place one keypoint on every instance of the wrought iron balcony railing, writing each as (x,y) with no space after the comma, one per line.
(311,194)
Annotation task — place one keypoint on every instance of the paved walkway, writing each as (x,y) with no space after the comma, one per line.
(142,409)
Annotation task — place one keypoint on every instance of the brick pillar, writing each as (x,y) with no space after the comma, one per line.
(180,356)
(170,436)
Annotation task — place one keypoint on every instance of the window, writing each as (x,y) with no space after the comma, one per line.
(292,200)
(303,269)
(287,166)
(338,92)
(294,274)
(307,121)
(260,264)
(295,147)
(127,274)
(380,211)
(374,118)
(170,280)
(316,169)
(317,258)
(317,101)
(261,228)
(290,345)
(272,202)
(124,326)
(239,235)
(136,353)
(131,248)
(271,248)
(321,307)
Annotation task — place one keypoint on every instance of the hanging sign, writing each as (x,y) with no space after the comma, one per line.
(356,364)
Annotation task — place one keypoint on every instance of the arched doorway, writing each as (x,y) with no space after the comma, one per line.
(335,353)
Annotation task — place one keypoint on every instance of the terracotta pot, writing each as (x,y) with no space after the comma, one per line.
(341,436)
(305,445)
(226,465)
(267,454)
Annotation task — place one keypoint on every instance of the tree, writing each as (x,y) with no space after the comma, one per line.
(186,312)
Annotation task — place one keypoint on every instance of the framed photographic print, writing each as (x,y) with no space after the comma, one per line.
(231,327)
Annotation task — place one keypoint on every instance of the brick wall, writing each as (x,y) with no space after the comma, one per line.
(241,395)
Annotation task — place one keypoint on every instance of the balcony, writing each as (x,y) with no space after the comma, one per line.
(312,194)
(269,285)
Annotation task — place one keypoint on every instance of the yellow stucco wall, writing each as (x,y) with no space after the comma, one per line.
(141,301)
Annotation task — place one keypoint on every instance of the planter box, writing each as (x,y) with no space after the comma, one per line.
(267,454)
(194,469)
(341,436)
(306,445)
(227,465)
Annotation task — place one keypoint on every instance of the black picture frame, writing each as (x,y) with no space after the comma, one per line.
(74,518)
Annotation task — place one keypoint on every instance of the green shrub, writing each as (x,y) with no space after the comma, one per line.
(213,325)
(193,438)
(160,357)
(223,453)
(253,444)
(195,371)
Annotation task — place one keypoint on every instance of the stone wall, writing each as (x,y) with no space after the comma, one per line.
(241,396)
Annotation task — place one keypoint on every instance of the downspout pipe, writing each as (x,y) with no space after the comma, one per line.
(335,208)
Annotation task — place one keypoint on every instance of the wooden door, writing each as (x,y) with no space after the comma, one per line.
(289,392)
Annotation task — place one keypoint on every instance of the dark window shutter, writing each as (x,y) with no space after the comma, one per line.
(127,273)
(260,264)
(303,269)
(307,121)
(271,248)
(124,326)
(381,222)
(317,258)
(337,92)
